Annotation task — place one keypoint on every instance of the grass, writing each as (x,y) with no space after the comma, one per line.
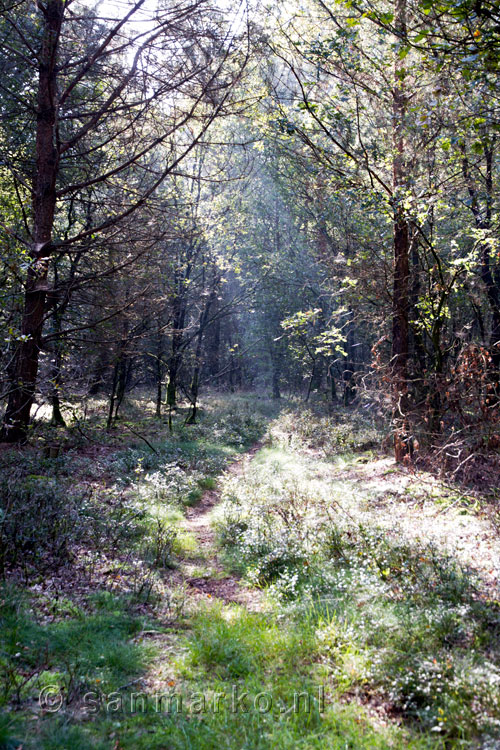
(69,652)
(117,497)
(398,623)
(93,537)
(362,636)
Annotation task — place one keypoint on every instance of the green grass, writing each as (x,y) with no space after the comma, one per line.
(122,513)
(360,639)
(247,681)
(397,622)
(71,652)
(49,507)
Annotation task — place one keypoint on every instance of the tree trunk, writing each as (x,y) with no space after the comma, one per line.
(57,417)
(159,392)
(109,423)
(333,386)
(195,382)
(179,316)
(159,371)
(213,358)
(121,374)
(400,300)
(276,382)
(17,415)
(491,279)
(124,369)
(55,375)
(311,380)
(349,365)
(489,275)
(276,370)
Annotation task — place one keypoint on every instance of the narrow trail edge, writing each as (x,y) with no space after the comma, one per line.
(217,584)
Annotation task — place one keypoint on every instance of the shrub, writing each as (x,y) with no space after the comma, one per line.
(160,545)
(39,519)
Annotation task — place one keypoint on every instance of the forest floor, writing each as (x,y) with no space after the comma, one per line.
(267,578)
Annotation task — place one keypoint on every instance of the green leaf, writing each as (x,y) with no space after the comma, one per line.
(386,18)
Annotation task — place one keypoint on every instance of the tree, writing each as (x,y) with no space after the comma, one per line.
(101,88)
(401,275)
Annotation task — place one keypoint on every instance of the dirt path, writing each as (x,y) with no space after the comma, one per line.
(203,578)
(214,582)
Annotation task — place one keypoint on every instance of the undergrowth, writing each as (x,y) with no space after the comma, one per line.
(361,637)
(396,623)
(92,530)
(124,498)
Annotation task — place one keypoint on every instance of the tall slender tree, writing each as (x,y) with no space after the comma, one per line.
(101,87)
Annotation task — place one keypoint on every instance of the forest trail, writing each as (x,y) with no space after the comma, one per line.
(276,554)
(214,582)
(250,375)
(401,503)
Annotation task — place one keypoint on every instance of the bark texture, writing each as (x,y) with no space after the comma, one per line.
(400,299)
(17,416)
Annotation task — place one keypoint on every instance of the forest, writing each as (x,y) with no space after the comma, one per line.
(249,374)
